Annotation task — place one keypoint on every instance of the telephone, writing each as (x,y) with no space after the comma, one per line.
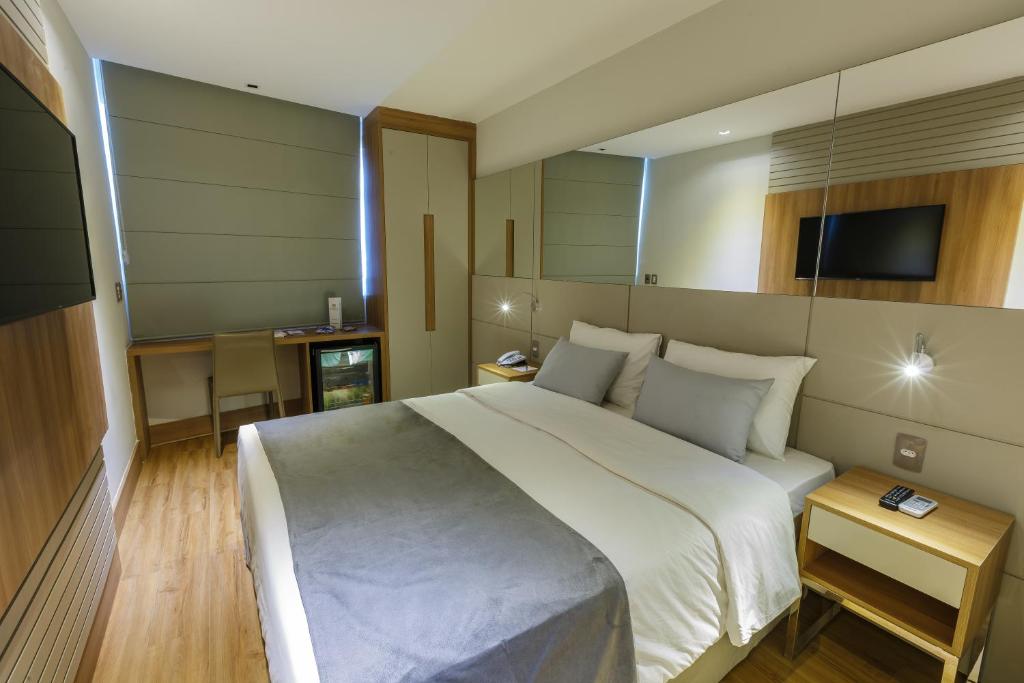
(511,358)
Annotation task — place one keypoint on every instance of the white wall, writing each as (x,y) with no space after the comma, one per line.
(72,67)
(703,215)
(1015,285)
(731,51)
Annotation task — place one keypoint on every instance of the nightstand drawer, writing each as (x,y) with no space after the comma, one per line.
(930,574)
(485,377)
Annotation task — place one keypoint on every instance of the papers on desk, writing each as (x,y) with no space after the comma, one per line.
(280,334)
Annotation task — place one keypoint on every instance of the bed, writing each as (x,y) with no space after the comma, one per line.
(598,472)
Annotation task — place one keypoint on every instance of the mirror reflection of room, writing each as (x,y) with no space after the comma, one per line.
(931,143)
(704,183)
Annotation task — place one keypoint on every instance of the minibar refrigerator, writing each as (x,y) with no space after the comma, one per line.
(345,374)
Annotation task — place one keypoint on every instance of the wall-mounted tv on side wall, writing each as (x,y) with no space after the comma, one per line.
(890,244)
(44,248)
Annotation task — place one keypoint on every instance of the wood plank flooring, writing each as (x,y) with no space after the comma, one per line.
(185,608)
(186,611)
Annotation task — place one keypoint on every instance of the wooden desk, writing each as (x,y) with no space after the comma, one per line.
(138,350)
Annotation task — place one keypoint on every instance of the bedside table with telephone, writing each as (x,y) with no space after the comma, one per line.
(510,367)
(920,564)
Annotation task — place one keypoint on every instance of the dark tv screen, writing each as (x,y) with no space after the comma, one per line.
(44,249)
(891,244)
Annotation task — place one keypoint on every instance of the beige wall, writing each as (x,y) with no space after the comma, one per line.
(703,215)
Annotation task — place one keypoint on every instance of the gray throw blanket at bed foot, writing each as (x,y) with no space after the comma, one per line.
(418,561)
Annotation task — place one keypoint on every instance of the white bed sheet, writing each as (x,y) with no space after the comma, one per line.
(800,474)
(668,560)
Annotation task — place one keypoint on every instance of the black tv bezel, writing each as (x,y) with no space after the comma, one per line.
(892,278)
(32,313)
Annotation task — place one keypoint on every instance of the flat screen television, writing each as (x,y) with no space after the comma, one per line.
(44,248)
(890,244)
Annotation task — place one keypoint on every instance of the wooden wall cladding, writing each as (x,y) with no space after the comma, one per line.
(983,216)
(782,214)
(52,419)
(52,411)
(22,61)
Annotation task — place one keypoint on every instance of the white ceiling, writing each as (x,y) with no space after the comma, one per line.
(983,56)
(797,105)
(517,48)
(465,59)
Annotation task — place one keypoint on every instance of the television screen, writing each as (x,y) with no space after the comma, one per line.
(891,244)
(44,250)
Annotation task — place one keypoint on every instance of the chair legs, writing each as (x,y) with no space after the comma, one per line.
(280,401)
(216,425)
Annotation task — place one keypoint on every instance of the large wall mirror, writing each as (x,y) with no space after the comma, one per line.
(897,180)
(686,203)
(926,181)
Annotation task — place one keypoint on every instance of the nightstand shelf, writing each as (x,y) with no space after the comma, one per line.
(907,608)
(930,581)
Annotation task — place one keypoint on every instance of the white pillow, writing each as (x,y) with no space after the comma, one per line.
(770,429)
(640,347)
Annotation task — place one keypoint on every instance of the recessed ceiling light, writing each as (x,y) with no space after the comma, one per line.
(724,132)
(602,149)
(252,85)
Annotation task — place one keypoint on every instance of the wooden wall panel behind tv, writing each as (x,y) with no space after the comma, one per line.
(52,412)
(983,215)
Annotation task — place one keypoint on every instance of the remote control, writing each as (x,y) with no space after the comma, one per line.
(895,496)
(918,506)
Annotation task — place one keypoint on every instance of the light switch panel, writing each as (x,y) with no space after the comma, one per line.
(909,452)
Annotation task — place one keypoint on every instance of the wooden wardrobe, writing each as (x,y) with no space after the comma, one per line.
(419,209)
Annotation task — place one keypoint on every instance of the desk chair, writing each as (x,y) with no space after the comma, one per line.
(243,363)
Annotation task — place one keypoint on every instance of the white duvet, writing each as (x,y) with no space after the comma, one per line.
(704,546)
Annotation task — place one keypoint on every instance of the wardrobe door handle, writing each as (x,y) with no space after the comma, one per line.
(428,272)
(510,247)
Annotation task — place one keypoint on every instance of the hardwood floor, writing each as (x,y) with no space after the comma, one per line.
(186,611)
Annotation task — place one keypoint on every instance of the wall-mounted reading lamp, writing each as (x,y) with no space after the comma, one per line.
(920,362)
(505,306)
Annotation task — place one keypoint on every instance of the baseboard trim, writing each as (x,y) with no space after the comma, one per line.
(127,490)
(91,652)
(202,425)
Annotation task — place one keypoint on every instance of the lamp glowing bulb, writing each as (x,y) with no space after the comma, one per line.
(506,307)
(920,362)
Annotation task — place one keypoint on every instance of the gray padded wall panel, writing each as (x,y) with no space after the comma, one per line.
(239,211)
(971,128)
(143,95)
(182,309)
(591,217)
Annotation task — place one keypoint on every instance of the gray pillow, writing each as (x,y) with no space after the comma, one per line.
(711,411)
(579,371)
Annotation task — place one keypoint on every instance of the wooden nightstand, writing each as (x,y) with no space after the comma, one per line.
(492,373)
(930,581)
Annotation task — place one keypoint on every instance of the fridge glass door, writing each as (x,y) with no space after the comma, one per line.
(347,376)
